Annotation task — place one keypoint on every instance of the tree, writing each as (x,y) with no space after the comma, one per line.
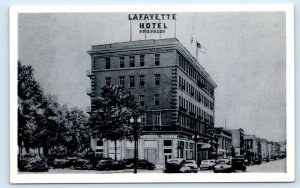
(78,134)
(43,123)
(30,97)
(111,114)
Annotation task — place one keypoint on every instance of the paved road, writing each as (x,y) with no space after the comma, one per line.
(272,166)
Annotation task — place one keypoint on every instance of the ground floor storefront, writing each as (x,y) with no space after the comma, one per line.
(154,148)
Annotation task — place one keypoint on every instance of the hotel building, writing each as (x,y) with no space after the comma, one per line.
(174,93)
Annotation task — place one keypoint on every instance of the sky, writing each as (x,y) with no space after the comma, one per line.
(244,53)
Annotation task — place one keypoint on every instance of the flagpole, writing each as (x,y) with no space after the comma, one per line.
(175,29)
(159,32)
(145,31)
(196,50)
(130,31)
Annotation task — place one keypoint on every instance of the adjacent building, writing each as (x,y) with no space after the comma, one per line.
(238,141)
(174,93)
(252,146)
(224,140)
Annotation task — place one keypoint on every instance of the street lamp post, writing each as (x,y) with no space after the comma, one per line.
(135,122)
(195,138)
(214,143)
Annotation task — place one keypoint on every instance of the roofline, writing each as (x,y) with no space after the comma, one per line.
(176,44)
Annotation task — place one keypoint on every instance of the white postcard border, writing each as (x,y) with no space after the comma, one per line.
(289,176)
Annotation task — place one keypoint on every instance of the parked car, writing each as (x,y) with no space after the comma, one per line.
(109,165)
(72,161)
(141,164)
(128,163)
(83,164)
(192,164)
(49,160)
(256,161)
(61,163)
(207,164)
(238,164)
(176,166)
(247,162)
(223,166)
(144,164)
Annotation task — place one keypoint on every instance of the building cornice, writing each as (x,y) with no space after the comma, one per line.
(151,46)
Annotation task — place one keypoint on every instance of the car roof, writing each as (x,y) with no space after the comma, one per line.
(176,159)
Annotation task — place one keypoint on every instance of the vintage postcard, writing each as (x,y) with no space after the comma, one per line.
(121,94)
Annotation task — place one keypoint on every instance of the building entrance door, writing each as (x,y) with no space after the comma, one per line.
(168,156)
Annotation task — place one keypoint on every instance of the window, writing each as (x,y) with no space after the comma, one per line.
(142,100)
(156,119)
(156,59)
(179,82)
(131,81)
(94,63)
(99,143)
(142,61)
(121,62)
(142,80)
(122,81)
(156,99)
(211,105)
(108,81)
(156,79)
(107,63)
(131,61)
(143,119)
(167,142)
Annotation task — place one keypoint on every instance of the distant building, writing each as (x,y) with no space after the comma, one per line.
(174,92)
(264,148)
(270,150)
(238,141)
(282,147)
(252,146)
(224,138)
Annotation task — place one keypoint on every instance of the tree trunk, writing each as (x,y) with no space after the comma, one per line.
(20,152)
(39,150)
(115,150)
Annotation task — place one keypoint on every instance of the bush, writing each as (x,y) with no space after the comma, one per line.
(33,164)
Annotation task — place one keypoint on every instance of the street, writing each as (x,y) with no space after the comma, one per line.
(272,166)
(265,167)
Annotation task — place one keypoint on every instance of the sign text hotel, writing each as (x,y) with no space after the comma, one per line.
(152,23)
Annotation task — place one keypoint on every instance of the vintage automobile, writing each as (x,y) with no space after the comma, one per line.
(83,164)
(176,166)
(207,164)
(223,166)
(128,163)
(238,164)
(110,165)
(192,164)
(61,163)
(144,164)
(141,164)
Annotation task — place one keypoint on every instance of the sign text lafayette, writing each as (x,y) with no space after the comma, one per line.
(157,24)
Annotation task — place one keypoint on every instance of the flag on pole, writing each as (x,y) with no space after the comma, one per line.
(198,44)
(192,39)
